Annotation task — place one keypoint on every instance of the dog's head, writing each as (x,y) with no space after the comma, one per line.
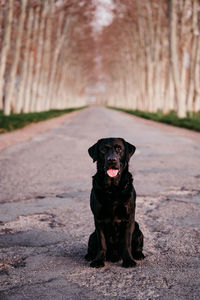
(112,155)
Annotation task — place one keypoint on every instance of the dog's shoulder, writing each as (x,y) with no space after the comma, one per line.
(126,182)
(127,190)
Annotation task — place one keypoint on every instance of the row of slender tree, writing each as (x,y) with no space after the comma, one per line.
(156,65)
(148,58)
(39,65)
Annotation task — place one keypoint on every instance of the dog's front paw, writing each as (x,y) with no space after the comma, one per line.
(138,255)
(97,263)
(89,256)
(128,263)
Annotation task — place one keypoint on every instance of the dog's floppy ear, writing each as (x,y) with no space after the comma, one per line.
(93,151)
(130,149)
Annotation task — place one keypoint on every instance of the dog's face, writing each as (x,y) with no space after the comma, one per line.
(112,155)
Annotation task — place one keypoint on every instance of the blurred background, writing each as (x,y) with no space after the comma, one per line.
(132,54)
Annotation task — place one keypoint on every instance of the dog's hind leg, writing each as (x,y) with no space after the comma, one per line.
(137,243)
(92,247)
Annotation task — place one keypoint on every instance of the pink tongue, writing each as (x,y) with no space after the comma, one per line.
(112,172)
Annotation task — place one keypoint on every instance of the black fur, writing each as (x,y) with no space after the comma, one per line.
(112,202)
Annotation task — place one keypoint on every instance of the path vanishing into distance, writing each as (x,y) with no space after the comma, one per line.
(45,218)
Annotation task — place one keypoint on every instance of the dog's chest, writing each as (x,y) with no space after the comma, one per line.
(115,213)
(115,210)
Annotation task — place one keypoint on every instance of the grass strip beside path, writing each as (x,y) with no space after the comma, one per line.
(192,121)
(17,121)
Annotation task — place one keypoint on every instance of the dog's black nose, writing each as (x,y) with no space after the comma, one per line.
(112,159)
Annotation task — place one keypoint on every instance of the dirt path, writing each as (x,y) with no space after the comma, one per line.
(45,219)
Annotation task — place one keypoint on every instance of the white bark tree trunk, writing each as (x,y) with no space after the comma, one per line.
(11,94)
(5,51)
(23,88)
(174,60)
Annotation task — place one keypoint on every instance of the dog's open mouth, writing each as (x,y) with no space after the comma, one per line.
(112,172)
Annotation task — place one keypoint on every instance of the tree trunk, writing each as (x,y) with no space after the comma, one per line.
(37,98)
(59,45)
(11,94)
(23,88)
(5,51)
(174,60)
(47,55)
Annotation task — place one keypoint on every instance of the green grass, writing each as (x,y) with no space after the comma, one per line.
(192,121)
(16,121)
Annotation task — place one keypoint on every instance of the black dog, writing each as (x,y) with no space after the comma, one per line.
(112,202)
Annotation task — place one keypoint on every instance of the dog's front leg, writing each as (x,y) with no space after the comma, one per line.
(128,261)
(98,262)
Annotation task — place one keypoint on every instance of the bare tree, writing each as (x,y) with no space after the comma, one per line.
(10,97)
(163,64)
(4,51)
(31,54)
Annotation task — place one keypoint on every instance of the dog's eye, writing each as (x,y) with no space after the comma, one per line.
(104,149)
(118,148)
